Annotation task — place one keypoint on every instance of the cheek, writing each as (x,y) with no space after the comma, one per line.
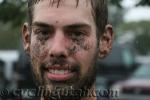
(84,48)
(78,45)
(86,55)
(34,54)
(38,50)
(38,54)
(35,50)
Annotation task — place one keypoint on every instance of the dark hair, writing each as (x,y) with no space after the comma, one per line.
(100,12)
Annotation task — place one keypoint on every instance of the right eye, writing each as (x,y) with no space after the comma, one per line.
(42,34)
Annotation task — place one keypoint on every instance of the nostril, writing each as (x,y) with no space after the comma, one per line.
(62,56)
(51,55)
(58,50)
(58,54)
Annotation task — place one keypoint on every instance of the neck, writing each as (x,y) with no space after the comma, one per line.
(92,90)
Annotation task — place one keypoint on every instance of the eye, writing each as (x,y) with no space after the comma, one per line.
(76,34)
(42,32)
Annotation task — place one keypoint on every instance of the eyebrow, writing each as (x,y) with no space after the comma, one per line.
(41,24)
(71,26)
(78,26)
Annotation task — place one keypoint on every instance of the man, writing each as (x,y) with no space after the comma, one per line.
(63,39)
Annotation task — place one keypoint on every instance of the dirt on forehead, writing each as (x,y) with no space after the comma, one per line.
(59,2)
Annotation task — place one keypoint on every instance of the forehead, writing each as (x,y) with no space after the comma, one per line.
(62,2)
(64,10)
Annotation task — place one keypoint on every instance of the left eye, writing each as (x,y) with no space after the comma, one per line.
(77,34)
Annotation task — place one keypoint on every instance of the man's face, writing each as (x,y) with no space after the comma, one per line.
(63,45)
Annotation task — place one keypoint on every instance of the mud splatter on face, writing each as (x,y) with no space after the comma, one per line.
(42,33)
(38,54)
(42,38)
(78,44)
(35,60)
(35,50)
(69,42)
(56,22)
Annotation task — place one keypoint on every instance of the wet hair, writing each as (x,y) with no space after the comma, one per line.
(99,11)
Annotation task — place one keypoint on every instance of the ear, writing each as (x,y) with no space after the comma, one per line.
(105,41)
(26,38)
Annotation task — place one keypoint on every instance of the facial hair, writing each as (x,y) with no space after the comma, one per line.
(83,83)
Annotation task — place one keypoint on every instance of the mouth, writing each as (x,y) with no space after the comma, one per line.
(59,73)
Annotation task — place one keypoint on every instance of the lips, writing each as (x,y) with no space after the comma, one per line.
(59,73)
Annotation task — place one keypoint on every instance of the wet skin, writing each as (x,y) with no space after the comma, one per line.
(63,38)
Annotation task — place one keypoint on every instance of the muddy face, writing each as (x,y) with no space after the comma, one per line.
(63,45)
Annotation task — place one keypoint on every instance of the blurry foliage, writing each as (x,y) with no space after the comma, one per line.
(144,3)
(12,11)
(116,3)
(9,37)
(12,15)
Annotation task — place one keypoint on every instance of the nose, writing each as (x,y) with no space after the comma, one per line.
(59,46)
